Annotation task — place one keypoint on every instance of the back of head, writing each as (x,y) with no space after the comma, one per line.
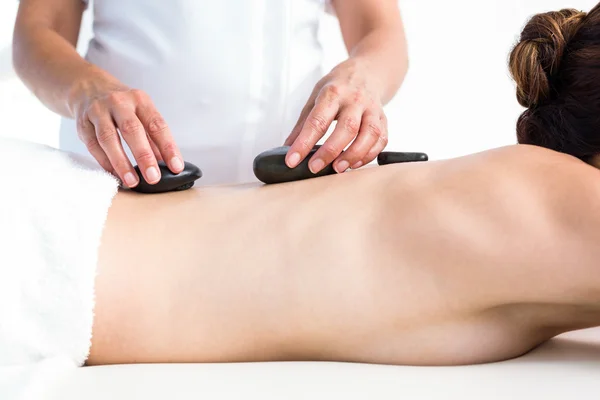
(556,66)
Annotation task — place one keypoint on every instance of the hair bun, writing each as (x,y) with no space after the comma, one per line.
(538,55)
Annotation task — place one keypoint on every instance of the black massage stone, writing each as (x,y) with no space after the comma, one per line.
(394,157)
(169,182)
(270,166)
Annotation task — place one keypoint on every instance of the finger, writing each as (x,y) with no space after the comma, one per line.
(380,131)
(109,141)
(345,132)
(374,152)
(310,104)
(87,134)
(159,133)
(300,123)
(315,126)
(155,150)
(134,135)
(366,139)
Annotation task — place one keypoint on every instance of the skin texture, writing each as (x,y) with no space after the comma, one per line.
(110,114)
(470,260)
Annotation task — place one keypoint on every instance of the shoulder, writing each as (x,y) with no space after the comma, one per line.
(522,154)
(559,186)
(533,162)
(517,164)
(557,200)
(560,178)
(563,192)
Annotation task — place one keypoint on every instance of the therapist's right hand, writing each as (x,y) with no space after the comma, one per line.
(104,116)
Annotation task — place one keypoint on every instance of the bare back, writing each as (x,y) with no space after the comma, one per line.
(410,263)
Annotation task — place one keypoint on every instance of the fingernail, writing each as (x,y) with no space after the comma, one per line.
(342,166)
(294,160)
(130,180)
(357,165)
(152,174)
(176,164)
(316,166)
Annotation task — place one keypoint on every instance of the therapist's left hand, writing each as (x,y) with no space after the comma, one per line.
(347,95)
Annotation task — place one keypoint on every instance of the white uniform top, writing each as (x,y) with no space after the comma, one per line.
(229,77)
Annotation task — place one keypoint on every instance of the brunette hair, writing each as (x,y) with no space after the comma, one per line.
(556,67)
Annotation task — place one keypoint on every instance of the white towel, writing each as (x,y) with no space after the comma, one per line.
(53,207)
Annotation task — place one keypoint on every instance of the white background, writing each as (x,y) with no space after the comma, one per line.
(457,98)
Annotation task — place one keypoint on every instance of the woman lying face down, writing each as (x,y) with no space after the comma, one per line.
(469,260)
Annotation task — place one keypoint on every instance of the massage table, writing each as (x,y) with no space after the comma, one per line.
(567,367)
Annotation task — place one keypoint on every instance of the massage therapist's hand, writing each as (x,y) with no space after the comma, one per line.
(347,95)
(111,115)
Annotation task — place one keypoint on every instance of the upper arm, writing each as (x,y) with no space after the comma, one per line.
(62,16)
(358,17)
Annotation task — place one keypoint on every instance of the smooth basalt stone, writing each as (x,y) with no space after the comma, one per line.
(270,167)
(395,157)
(169,181)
